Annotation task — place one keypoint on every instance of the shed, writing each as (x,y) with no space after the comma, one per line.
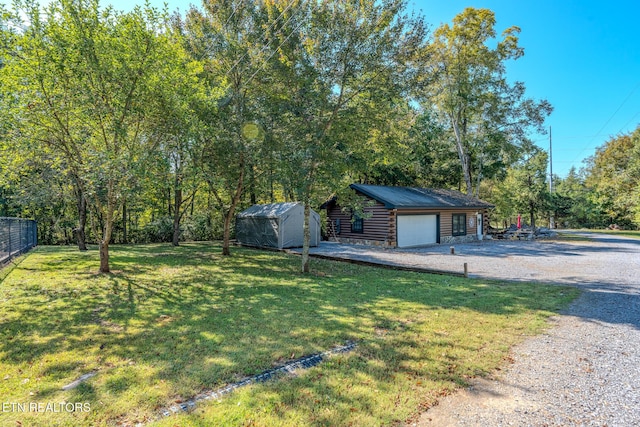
(276,225)
(409,216)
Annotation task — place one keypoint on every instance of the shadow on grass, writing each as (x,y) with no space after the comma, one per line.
(188,319)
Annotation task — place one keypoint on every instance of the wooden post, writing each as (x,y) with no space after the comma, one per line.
(466,274)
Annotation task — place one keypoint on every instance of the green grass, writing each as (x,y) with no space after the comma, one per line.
(169,323)
(627,233)
(568,237)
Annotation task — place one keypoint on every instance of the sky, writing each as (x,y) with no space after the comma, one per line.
(583,56)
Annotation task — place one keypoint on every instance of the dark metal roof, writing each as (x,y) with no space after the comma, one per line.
(414,197)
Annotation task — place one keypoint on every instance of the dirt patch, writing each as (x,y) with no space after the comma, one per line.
(490,395)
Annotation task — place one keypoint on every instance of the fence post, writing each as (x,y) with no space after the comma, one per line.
(10,249)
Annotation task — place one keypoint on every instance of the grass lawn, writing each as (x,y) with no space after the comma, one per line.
(569,237)
(169,323)
(627,233)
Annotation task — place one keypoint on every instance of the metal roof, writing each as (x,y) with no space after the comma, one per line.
(273,210)
(414,197)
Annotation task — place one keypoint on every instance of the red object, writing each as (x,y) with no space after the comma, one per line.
(519,222)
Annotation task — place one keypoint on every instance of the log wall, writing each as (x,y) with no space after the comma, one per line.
(380,228)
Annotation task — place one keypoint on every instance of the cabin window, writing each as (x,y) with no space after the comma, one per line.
(357,224)
(459,224)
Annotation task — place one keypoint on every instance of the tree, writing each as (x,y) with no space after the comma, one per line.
(228,38)
(173,125)
(85,79)
(465,78)
(613,174)
(572,201)
(525,187)
(337,65)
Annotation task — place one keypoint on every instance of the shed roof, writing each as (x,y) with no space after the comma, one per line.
(415,197)
(273,210)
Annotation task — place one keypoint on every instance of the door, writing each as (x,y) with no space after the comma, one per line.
(417,230)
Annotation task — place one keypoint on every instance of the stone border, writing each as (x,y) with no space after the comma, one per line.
(304,362)
(390,265)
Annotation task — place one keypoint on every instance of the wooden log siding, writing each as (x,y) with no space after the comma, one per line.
(446,222)
(375,228)
(381,227)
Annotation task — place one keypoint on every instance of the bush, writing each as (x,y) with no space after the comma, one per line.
(158,231)
(197,228)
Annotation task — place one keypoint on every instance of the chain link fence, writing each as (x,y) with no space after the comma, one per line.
(17,236)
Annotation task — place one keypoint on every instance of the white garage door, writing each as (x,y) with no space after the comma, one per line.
(417,230)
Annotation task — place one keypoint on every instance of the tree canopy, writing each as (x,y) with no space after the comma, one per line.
(488,118)
(145,126)
(84,82)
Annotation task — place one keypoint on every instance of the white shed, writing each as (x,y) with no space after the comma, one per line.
(276,225)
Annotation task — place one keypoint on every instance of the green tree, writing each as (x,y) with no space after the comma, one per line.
(613,174)
(465,77)
(173,125)
(228,38)
(338,65)
(85,78)
(525,187)
(572,202)
(633,176)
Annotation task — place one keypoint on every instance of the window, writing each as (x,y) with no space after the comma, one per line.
(357,224)
(459,225)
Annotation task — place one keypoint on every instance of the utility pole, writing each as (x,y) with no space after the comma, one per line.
(552,222)
(550,163)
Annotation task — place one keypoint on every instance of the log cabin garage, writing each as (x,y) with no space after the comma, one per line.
(406,217)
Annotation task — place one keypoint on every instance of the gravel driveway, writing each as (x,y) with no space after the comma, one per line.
(585,371)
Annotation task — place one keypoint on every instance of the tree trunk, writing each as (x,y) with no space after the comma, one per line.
(177,203)
(306,240)
(226,240)
(124,222)
(82,221)
(104,256)
(106,237)
(532,212)
(104,245)
(226,235)
(252,186)
(464,157)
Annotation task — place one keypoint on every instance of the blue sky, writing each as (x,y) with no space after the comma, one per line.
(583,56)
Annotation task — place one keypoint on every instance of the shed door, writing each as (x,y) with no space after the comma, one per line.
(417,230)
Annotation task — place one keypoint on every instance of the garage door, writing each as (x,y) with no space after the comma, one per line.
(417,230)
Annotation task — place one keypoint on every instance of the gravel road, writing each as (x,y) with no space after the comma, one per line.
(585,371)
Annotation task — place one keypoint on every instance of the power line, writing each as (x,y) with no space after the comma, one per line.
(630,120)
(264,35)
(382,14)
(607,122)
(616,112)
(233,13)
(280,45)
